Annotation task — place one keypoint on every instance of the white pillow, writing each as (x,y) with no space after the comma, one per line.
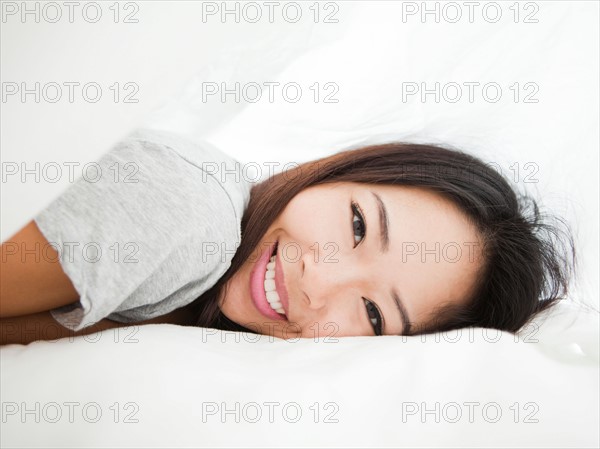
(547,110)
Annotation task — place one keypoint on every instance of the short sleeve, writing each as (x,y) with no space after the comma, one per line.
(132,233)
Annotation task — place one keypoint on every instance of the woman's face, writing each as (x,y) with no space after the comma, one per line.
(334,273)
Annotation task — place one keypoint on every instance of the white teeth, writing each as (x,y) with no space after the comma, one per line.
(273,297)
(270,290)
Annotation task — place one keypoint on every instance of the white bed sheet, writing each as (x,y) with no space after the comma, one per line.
(171,386)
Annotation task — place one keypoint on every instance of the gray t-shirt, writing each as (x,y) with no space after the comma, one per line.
(155,227)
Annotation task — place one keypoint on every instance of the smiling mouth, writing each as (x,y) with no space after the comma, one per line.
(271,291)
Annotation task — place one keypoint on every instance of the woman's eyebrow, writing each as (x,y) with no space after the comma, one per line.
(384,235)
(402,310)
(384,238)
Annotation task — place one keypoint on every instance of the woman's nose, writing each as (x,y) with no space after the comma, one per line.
(325,278)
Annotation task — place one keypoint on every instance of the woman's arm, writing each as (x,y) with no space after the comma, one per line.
(32,283)
(31,277)
(42,326)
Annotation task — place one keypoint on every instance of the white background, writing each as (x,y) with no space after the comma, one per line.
(368,50)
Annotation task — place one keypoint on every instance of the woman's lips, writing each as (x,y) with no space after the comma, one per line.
(280,284)
(257,286)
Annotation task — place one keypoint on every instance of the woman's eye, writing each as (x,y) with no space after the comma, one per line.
(374,316)
(358,224)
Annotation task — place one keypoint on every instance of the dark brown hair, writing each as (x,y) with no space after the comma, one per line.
(527,264)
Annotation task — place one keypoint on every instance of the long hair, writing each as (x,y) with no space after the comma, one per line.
(527,262)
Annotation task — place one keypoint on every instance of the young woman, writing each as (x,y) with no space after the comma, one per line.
(391,239)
